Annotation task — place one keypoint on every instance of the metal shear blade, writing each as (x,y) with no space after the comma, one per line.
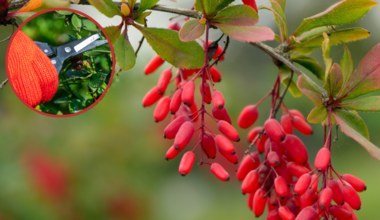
(59,54)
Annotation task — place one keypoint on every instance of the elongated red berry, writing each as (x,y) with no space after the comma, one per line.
(273,215)
(171,153)
(274,130)
(153,64)
(184,135)
(253,133)
(251,182)
(221,114)
(162,109)
(295,112)
(208,145)
(281,186)
(302,184)
(188,93)
(249,162)
(295,149)
(216,76)
(186,163)
(174,26)
(248,116)
(164,80)
(273,159)
(325,198)
(335,186)
(206,91)
(176,101)
(219,172)
(224,145)
(171,129)
(251,3)
(351,196)
(250,200)
(151,97)
(228,130)
(355,182)
(218,53)
(285,213)
(232,158)
(322,160)
(308,213)
(297,170)
(302,126)
(340,213)
(259,201)
(218,99)
(286,123)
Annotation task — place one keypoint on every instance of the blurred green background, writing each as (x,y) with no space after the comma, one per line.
(109,162)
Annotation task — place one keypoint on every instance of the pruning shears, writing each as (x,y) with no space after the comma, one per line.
(58,55)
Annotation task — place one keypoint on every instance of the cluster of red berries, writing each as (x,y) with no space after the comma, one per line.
(284,182)
(189,118)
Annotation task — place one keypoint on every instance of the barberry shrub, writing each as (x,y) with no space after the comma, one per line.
(277,174)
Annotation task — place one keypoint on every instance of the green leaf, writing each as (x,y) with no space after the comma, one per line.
(317,115)
(89,25)
(247,33)
(240,15)
(366,78)
(280,18)
(333,83)
(141,17)
(354,127)
(337,37)
(76,22)
(125,55)
(326,54)
(211,7)
(167,45)
(343,12)
(310,64)
(191,30)
(366,104)
(106,7)
(347,66)
(311,90)
(146,4)
(285,75)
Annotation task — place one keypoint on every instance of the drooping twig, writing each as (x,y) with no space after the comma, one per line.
(4,83)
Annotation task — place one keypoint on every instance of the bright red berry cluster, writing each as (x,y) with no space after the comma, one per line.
(188,120)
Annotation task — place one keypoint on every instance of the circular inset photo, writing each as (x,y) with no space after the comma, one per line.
(60,62)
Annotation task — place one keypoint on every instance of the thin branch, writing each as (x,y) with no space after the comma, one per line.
(4,83)
(179,11)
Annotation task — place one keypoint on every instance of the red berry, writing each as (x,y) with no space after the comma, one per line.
(274,130)
(208,145)
(171,153)
(176,101)
(217,53)
(164,80)
(285,213)
(307,213)
(171,129)
(174,26)
(219,172)
(295,112)
(259,201)
(184,135)
(228,130)
(355,182)
(249,162)
(302,184)
(188,93)
(232,158)
(302,126)
(335,186)
(186,163)
(253,133)
(206,91)
(251,182)
(218,99)
(295,149)
(297,170)
(286,123)
(251,3)
(325,198)
(151,97)
(248,116)
(340,213)
(224,145)
(250,200)
(153,64)
(351,196)
(322,160)
(281,186)
(273,159)
(216,76)
(221,114)
(162,109)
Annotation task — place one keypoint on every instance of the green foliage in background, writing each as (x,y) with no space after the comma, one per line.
(84,77)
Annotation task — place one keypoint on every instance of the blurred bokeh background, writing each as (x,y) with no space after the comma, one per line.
(109,162)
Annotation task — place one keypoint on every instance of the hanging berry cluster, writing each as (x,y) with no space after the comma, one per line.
(276,174)
(189,119)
